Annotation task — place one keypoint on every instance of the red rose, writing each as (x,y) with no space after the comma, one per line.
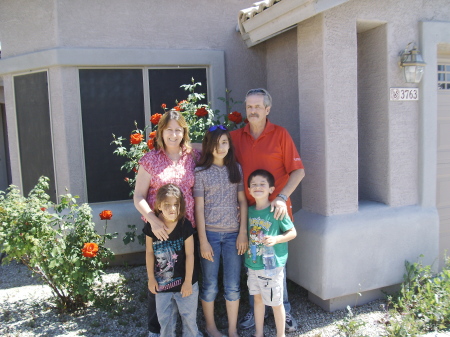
(152,134)
(90,249)
(155,118)
(163,106)
(201,112)
(106,215)
(136,138)
(235,117)
(246,121)
(135,169)
(43,209)
(151,143)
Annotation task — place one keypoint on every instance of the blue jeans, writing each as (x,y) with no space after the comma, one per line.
(167,306)
(286,303)
(223,245)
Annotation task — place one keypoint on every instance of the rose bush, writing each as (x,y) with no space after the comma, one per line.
(56,241)
(198,116)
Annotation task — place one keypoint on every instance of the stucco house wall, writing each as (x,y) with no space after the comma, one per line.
(368,198)
(357,231)
(62,36)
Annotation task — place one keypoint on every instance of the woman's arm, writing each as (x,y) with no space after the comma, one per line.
(205,248)
(186,288)
(242,239)
(150,263)
(143,179)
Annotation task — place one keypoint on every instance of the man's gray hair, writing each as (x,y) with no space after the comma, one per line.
(261,92)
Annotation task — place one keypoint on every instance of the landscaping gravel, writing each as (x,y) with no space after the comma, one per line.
(26,309)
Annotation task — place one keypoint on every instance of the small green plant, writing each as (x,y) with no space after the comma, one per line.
(423,301)
(350,324)
(56,241)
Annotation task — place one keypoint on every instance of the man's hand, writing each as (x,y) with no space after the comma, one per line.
(279,207)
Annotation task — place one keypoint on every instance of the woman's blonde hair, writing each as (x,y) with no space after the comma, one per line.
(162,125)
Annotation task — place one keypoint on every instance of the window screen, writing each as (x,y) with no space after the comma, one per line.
(33,124)
(111,100)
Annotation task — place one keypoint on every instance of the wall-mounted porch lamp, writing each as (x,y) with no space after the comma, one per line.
(412,63)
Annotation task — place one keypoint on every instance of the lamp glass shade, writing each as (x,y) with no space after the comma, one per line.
(413,74)
(413,66)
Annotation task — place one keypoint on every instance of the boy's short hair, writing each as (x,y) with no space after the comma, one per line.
(263,173)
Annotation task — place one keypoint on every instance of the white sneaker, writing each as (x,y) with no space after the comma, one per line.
(291,324)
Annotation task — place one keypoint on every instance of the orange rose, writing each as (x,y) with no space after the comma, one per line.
(177,108)
(201,112)
(151,143)
(136,138)
(106,215)
(126,179)
(163,106)
(90,249)
(155,119)
(152,134)
(235,117)
(182,102)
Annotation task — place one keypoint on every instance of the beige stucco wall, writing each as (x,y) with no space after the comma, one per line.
(209,25)
(56,36)
(348,246)
(282,83)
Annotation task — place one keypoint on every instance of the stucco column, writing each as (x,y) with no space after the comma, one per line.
(328,114)
(67,131)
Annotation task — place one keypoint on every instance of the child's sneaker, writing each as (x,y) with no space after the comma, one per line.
(247,321)
(291,324)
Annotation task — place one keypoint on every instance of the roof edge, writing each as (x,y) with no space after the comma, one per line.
(269,18)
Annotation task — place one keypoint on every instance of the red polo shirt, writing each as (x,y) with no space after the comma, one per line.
(274,151)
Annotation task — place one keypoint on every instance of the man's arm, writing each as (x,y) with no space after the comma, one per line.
(278,204)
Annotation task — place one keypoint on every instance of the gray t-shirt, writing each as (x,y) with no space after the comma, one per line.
(220,196)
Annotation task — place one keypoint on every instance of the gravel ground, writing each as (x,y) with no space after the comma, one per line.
(26,309)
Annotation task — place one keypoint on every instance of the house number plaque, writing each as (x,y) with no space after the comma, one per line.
(404,94)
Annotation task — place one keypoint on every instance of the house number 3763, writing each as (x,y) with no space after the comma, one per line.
(404,94)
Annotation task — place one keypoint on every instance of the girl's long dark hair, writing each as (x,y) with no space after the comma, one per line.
(210,143)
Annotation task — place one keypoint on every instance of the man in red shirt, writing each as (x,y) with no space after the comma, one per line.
(263,145)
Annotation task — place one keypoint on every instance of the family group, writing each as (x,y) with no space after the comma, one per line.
(204,208)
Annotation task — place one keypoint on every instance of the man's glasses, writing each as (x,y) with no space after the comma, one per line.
(215,127)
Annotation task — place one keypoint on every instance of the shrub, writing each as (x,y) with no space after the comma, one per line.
(423,301)
(57,242)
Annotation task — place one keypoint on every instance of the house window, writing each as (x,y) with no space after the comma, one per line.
(443,77)
(34,130)
(111,101)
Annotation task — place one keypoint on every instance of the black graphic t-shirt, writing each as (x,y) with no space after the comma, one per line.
(170,256)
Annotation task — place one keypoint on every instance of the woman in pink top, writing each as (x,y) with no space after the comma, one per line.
(172,161)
